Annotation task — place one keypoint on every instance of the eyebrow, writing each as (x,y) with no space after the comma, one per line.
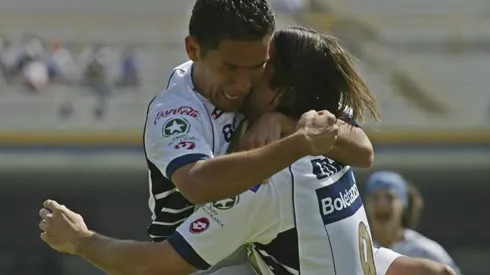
(252,66)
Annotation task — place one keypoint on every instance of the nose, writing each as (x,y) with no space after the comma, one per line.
(383,204)
(242,83)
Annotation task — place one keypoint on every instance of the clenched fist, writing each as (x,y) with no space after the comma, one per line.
(62,228)
(320,129)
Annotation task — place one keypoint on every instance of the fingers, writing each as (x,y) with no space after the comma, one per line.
(43,225)
(45,214)
(52,205)
(327,117)
(309,116)
(307,119)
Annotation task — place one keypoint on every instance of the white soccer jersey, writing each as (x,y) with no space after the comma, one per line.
(308,219)
(416,245)
(181,127)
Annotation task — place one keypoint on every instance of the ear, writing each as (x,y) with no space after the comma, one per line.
(192,47)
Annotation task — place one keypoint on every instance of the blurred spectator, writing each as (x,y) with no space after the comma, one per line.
(129,70)
(61,65)
(95,76)
(32,65)
(9,58)
(35,73)
(393,208)
(3,70)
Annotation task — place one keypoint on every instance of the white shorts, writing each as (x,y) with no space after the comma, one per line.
(383,258)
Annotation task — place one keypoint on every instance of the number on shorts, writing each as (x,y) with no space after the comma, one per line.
(366,250)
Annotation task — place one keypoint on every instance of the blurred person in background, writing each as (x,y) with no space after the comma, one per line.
(9,56)
(393,207)
(61,65)
(33,66)
(3,69)
(95,76)
(129,69)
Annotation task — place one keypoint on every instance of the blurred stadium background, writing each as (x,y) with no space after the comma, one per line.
(75,136)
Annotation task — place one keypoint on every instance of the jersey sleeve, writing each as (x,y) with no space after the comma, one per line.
(437,253)
(347,114)
(218,229)
(175,135)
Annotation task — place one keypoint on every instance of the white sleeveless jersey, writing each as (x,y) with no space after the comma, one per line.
(308,219)
(181,127)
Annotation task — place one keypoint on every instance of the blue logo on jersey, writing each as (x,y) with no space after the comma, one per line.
(323,168)
(339,200)
(255,188)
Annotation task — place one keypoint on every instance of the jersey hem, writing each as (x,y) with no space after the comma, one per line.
(183,160)
(185,250)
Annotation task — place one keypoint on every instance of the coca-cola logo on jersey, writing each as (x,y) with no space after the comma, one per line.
(198,226)
(183,110)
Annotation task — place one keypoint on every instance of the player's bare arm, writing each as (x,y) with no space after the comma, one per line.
(226,176)
(352,148)
(65,231)
(408,266)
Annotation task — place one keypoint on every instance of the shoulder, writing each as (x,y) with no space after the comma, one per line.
(427,247)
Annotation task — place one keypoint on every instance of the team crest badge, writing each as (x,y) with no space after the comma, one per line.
(226,203)
(175,126)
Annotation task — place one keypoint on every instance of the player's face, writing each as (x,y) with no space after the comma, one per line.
(384,209)
(262,98)
(229,72)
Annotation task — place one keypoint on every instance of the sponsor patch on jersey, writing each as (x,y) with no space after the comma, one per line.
(212,213)
(226,203)
(217,113)
(200,225)
(183,110)
(339,200)
(175,126)
(180,138)
(188,145)
(325,167)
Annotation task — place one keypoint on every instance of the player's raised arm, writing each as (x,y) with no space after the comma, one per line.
(192,247)
(225,176)
(352,148)
(65,231)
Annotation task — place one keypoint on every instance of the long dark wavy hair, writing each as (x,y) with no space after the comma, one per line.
(314,72)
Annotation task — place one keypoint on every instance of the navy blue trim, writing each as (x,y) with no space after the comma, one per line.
(171,76)
(348,118)
(183,160)
(294,215)
(212,126)
(331,252)
(185,250)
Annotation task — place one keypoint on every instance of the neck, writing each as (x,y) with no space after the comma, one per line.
(251,116)
(198,80)
(387,237)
